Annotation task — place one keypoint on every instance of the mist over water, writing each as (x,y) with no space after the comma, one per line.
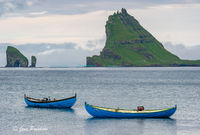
(127,88)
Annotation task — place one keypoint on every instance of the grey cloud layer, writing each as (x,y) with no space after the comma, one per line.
(7,6)
(38,48)
(184,52)
(78,6)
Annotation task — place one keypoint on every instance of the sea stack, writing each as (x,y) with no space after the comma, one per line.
(33,61)
(15,58)
(128,44)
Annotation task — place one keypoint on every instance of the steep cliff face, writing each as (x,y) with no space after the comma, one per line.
(15,58)
(33,61)
(129,44)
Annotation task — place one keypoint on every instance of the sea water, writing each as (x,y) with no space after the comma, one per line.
(127,88)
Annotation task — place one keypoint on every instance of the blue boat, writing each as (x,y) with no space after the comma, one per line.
(103,112)
(48,103)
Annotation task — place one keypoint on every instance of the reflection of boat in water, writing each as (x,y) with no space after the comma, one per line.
(97,111)
(48,103)
(115,126)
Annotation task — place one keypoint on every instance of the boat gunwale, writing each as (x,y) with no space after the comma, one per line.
(129,111)
(48,101)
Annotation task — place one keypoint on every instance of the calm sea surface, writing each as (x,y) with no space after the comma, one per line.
(110,87)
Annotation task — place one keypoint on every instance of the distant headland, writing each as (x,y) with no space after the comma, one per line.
(16,59)
(128,44)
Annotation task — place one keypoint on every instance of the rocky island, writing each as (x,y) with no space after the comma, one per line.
(33,61)
(129,44)
(15,58)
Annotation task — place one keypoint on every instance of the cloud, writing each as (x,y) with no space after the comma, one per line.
(9,6)
(79,6)
(39,13)
(51,51)
(56,29)
(37,48)
(65,57)
(183,51)
(95,44)
(175,23)
(29,3)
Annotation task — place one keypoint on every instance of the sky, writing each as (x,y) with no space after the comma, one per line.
(64,32)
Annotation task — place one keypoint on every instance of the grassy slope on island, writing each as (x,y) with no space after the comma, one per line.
(129,44)
(13,51)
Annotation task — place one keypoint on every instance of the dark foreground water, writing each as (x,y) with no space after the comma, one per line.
(109,87)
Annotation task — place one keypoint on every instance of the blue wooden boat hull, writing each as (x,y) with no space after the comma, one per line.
(65,103)
(102,112)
